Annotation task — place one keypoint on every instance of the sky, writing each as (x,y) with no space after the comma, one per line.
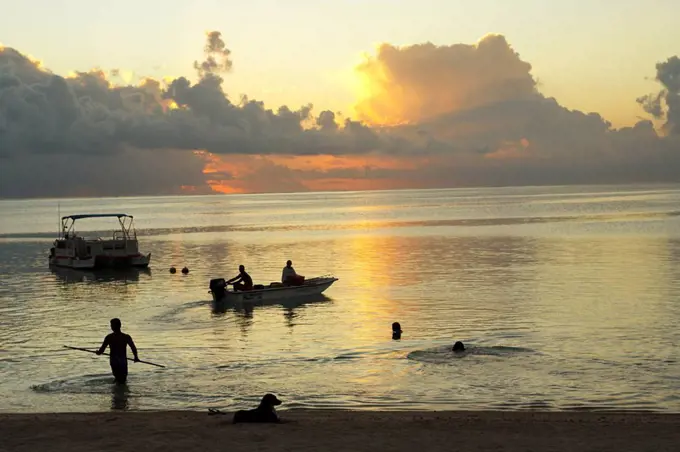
(378,94)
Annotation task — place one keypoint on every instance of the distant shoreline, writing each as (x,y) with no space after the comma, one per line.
(330,430)
(656,184)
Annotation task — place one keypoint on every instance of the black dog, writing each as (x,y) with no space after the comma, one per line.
(263,413)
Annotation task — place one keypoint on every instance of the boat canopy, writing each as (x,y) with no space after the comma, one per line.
(124,220)
(95,215)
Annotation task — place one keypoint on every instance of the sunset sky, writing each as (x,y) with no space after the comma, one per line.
(438,93)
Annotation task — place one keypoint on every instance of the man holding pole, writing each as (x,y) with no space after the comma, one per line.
(118,342)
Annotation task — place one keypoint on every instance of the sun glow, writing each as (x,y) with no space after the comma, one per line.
(256,174)
(369,83)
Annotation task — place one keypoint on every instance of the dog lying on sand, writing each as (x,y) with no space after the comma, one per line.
(263,413)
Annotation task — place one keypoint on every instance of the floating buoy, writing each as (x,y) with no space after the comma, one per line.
(185,270)
(173,270)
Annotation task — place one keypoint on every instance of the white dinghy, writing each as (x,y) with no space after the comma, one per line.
(272,292)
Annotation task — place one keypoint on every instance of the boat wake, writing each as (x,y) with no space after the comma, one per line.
(90,386)
(172,314)
(444,355)
(82,384)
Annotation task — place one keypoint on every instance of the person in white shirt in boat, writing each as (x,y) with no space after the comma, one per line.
(289,277)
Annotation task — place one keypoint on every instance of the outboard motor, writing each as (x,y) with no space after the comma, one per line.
(218,288)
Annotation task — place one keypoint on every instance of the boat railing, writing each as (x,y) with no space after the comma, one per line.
(121,235)
(326,276)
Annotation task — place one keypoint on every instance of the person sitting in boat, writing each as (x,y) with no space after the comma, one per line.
(289,277)
(242,281)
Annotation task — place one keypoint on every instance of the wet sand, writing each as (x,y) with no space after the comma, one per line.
(306,430)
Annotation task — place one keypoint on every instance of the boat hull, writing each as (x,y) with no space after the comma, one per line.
(314,286)
(126,274)
(103,261)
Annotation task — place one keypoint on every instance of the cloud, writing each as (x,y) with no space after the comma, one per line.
(129,172)
(217,56)
(326,120)
(419,82)
(668,75)
(44,113)
(428,116)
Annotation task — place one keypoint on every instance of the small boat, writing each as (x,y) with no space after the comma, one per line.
(71,250)
(274,291)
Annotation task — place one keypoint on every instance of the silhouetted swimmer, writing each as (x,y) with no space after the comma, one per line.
(117,343)
(185,270)
(396,330)
(458,347)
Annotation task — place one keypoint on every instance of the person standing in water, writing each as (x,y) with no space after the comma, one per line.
(117,343)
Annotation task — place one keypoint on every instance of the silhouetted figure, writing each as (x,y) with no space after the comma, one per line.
(458,347)
(289,277)
(185,270)
(242,281)
(117,343)
(173,270)
(396,330)
(263,413)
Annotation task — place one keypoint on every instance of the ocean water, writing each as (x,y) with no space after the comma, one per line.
(568,298)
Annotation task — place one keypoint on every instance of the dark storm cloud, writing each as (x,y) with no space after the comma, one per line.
(464,114)
(217,56)
(668,75)
(44,113)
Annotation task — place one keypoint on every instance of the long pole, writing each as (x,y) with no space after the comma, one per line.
(129,359)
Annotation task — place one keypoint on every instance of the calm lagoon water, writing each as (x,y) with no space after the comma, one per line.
(567,298)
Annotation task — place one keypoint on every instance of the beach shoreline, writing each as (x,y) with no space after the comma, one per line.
(341,430)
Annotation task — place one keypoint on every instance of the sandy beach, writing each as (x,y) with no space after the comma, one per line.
(342,431)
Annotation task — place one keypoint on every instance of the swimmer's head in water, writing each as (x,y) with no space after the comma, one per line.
(115,324)
(458,347)
(396,330)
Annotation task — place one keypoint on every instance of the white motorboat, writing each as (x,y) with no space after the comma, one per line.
(272,292)
(72,250)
